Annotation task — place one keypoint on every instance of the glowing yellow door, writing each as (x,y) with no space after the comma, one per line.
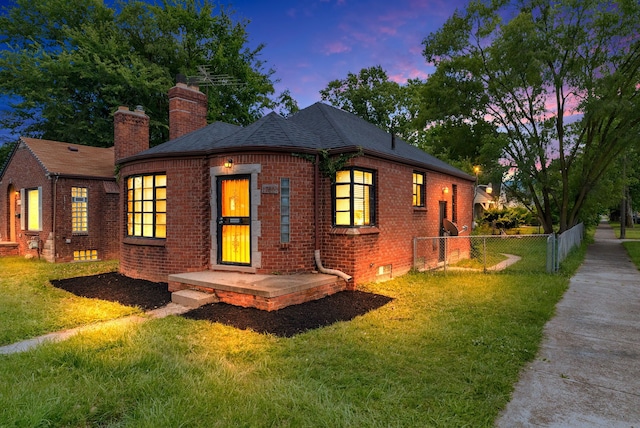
(234,221)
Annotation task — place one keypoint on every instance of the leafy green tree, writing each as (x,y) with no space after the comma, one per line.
(372,96)
(70,63)
(559,77)
(5,150)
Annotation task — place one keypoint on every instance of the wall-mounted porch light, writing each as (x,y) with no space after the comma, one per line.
(445,190)
(489,188)
(228,163)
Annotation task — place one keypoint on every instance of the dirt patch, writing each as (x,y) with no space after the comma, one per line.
(285,322)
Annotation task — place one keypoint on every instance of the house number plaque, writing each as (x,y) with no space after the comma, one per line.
(270,189)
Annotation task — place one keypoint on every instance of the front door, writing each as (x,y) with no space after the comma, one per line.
(234,220)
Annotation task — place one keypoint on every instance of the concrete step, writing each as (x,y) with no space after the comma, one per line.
(193,298)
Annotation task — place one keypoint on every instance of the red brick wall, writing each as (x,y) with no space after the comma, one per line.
(102,221)
(297,255)
(187,110)
(187,245)
(360,254)
(25,172)
(397,222)
(130,132)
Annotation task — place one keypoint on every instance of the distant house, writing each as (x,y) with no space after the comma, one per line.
(321,190)
(59,201)
(483,201)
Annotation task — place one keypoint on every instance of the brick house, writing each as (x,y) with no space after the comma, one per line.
(59,201)
(320,190)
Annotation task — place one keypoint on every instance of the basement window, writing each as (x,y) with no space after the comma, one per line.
(147,206)
(85,255)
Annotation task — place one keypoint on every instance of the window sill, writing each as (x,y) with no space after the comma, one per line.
(355,231)
(149,242)
(420,210)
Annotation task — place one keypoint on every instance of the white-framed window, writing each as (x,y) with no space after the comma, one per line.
(31,209)
(147,206)
(79,210)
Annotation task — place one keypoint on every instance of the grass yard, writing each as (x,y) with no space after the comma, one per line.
(445,352)
(633,248)
(31,306)
(630,232)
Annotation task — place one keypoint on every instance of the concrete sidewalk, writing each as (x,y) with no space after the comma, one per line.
(587,371)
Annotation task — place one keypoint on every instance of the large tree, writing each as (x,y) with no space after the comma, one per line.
(372,96)
(68,64)
(559,78)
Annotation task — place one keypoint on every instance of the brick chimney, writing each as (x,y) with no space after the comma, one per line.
(130,132)
(187,110)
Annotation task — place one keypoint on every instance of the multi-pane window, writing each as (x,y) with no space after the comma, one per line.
(79,210)
(454,203)
(284,210)
(147,206)
(418,189)
(31,215)
(354,202)
(81,255)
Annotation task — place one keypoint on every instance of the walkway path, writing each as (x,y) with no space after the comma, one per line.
(25,345)
(587,371)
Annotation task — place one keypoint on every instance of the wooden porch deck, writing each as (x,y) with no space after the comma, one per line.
(265,292)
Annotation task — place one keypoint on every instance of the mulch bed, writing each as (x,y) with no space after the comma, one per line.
(285,322)
(115,287)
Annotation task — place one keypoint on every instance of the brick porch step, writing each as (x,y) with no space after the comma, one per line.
(193,298)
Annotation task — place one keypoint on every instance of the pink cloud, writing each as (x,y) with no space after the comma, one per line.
(335,48)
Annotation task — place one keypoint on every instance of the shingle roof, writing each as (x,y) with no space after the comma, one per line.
(317,127)
(340,129)
(272,131)
(72,159)
(200,140)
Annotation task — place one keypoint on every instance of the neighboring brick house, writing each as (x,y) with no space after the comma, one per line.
(59,201)
(271,197)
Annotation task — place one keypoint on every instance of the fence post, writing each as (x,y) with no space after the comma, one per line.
(484,253)
(551,253)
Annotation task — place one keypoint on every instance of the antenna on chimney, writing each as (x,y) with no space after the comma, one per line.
(206,78)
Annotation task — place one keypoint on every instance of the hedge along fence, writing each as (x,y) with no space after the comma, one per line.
(485,253)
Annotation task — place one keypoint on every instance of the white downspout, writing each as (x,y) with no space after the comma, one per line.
(322,269)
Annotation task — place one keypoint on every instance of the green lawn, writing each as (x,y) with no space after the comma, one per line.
(445,352)
(633,248)
(630,232)
(31,306)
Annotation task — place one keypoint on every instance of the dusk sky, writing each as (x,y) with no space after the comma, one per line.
(310,43)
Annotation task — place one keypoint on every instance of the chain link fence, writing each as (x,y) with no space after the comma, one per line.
(485,253)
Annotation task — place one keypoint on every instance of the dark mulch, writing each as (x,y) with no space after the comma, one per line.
(285,322)
(115,287)
(292,320)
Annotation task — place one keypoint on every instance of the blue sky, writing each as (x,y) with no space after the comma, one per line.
(311,42)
